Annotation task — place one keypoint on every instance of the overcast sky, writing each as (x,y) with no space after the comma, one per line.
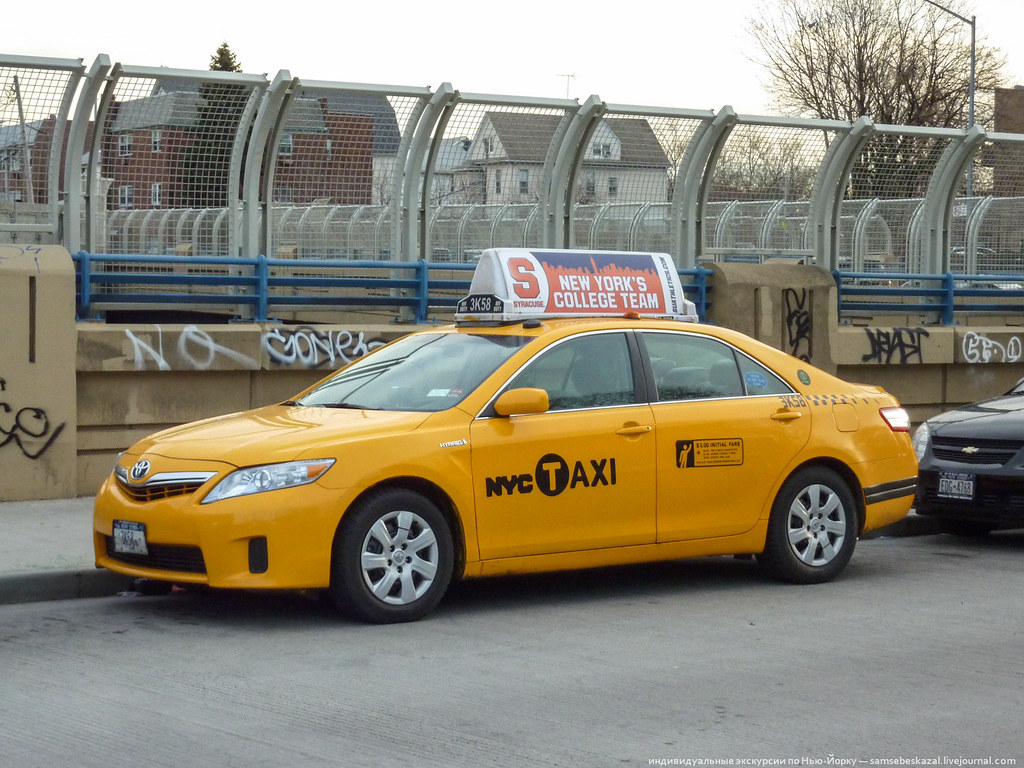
(679,53)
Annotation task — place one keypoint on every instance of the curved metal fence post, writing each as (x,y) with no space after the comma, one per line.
(558,227)
(938,201)
(830,189)
(264,145)
(699,160)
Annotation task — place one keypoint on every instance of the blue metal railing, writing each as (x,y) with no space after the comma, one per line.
(943,296)
(260,287)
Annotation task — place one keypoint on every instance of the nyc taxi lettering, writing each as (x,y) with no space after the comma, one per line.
(553,475)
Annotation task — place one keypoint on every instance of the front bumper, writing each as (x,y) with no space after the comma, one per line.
(998,499)
(280,539)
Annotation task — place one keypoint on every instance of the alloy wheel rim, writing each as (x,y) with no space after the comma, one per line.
(398,558)
(817,525)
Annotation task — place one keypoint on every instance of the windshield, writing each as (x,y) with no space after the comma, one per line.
(421,372)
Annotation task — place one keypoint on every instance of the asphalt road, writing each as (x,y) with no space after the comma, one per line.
(914,654)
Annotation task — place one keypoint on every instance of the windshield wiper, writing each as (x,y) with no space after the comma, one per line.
(351,406)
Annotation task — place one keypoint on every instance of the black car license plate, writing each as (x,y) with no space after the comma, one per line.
(956,485)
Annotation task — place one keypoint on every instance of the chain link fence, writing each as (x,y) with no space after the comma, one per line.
(125,159)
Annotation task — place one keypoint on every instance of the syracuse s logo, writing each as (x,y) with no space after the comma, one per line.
(140,470)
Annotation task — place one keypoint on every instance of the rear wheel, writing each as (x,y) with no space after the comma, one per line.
(392,558)
(812,529)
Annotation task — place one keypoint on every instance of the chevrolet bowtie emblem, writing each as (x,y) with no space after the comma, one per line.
(969,449)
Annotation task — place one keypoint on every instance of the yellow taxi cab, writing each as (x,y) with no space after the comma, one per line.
(573,416)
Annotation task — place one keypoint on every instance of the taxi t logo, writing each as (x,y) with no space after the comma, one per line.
(553,475)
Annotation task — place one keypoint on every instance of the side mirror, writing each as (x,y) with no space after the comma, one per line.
(521,401)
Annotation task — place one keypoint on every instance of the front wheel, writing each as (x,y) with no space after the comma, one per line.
(812,529)
(392,558)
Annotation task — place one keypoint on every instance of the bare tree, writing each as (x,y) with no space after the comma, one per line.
(900,62)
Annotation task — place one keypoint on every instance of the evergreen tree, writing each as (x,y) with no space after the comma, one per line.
(224,60)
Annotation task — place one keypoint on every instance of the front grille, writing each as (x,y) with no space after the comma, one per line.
(162,557)
(160,491)
(978,451)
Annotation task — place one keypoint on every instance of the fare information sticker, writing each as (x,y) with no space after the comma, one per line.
(723,452)
(519,282)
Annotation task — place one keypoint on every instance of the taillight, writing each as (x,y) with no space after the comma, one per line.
(897,419)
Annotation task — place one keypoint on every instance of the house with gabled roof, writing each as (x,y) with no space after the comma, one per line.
(161,150)
(506,161)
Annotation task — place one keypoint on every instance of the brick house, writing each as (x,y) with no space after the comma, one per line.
(170,149)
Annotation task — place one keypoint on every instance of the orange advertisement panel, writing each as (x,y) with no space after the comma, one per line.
(523,282)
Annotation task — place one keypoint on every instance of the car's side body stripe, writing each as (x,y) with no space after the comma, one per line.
(893,490)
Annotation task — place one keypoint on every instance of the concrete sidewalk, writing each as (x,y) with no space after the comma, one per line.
(46,550)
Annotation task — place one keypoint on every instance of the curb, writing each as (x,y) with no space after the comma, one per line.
(37,586)
(40,586)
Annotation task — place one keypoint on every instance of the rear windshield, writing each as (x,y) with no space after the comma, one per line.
(420,372)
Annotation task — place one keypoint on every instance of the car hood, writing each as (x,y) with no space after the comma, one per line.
(998,418)
(275,433)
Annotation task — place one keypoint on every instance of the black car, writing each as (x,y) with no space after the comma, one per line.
(971,475)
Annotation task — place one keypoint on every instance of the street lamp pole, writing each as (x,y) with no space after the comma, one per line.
(970,93)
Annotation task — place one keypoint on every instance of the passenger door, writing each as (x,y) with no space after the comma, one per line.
(727,427)
(581,475)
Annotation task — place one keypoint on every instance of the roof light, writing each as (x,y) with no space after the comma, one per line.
(510,284)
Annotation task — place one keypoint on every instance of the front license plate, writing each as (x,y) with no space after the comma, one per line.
(956,485)
(130,538)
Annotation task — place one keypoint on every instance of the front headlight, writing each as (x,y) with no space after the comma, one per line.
(921,437)
(269,477)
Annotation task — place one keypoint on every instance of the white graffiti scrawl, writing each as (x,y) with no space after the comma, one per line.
(982,349)
(315,347)
(195,347)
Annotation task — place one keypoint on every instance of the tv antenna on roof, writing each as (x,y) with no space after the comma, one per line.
(568,79)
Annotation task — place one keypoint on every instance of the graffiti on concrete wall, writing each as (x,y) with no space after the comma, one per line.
(978,348)
(894,345)
(194,346)
(27,427)
(315,347)
(798,323)
(195,349)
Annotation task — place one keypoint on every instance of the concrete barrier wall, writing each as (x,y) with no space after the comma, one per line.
(37,373)
(73,395)
(136,379)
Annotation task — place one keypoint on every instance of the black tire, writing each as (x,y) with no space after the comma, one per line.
(812,529)
(392,558)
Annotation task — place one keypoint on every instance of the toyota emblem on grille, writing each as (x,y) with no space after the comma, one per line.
(969,449)
(140,470)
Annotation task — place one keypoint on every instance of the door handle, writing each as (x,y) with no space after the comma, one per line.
(630,430)
(786,415)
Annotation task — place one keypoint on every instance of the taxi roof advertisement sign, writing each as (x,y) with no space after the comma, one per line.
(513,283)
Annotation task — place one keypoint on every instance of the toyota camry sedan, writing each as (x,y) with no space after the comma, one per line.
(573,416)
